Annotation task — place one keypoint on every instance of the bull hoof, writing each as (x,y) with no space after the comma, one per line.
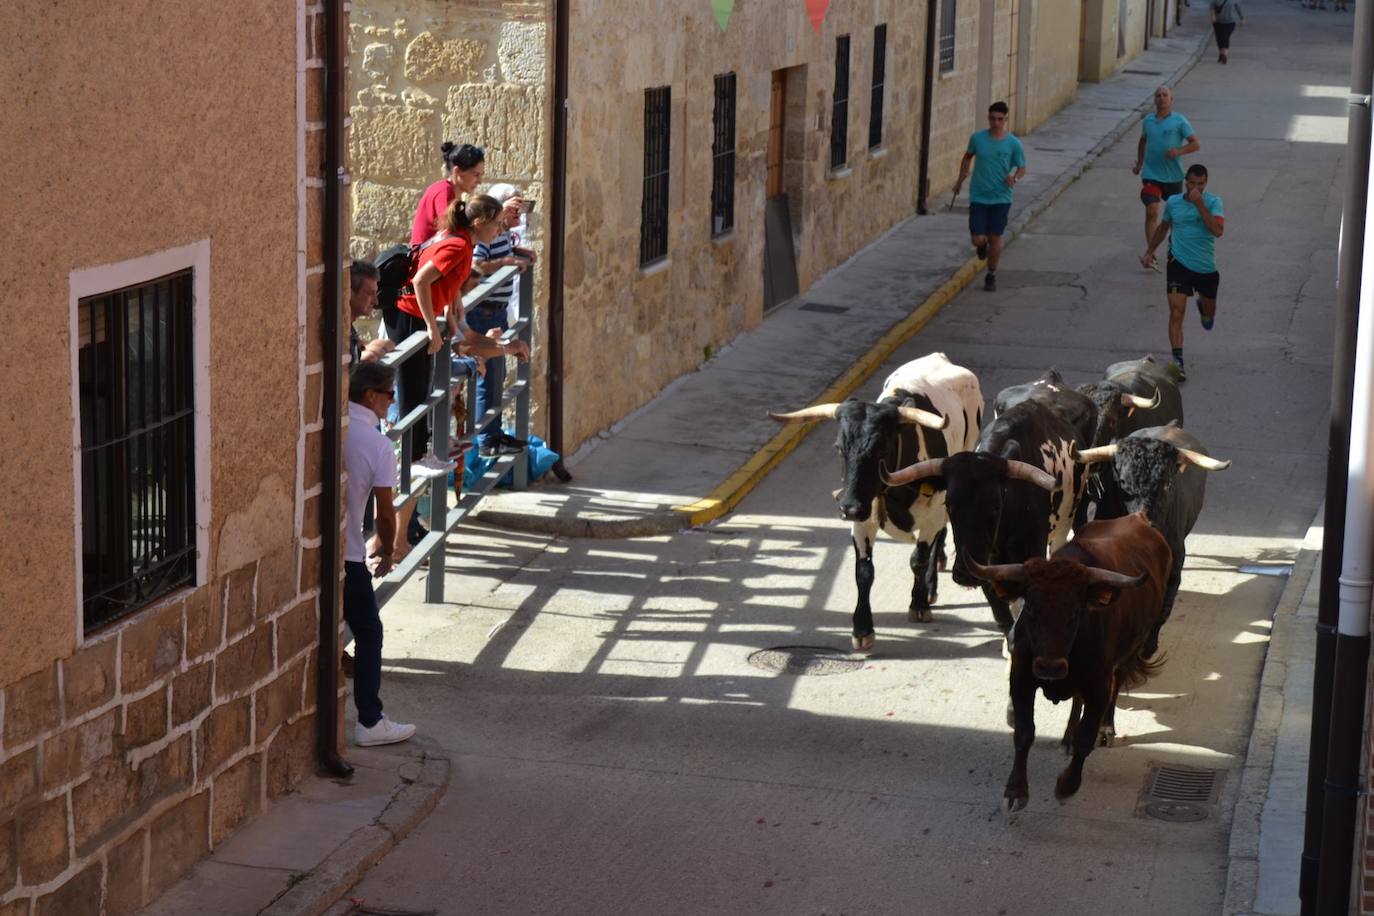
(1011,715)
(1016,797)
(1106,736)
(863,643)
(1067,784)
(918,615)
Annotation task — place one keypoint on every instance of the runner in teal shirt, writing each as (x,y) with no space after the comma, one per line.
(1165,138)
(1197,220)
(999,162)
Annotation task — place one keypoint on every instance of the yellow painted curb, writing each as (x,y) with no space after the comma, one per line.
(728,495)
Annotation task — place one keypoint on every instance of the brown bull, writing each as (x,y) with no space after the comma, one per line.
(1088,612)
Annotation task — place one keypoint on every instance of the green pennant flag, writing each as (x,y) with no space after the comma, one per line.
(722,9)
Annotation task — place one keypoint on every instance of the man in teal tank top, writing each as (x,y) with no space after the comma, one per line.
(999,162)
(1165,138)
(1197,220)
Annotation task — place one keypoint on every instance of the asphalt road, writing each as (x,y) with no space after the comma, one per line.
(615,751)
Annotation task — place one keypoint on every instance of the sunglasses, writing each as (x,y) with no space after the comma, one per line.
(390,393)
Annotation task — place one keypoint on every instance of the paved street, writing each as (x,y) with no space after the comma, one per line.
(613,749)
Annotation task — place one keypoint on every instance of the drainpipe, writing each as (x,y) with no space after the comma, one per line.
(558,190)
(927,103)
(331,448)
(1348,277)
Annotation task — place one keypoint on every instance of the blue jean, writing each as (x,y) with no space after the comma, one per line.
(481,319)
(364,618)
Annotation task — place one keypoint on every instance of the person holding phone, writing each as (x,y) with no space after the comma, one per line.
(1197,220)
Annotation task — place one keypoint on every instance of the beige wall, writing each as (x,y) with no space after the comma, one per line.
(1054,52)
(1101,40)
(630,331)
(164,730)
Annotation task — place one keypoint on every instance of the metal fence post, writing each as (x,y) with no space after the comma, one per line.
(438,486)
(521,471)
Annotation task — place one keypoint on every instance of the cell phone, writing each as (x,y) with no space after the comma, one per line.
(529,205)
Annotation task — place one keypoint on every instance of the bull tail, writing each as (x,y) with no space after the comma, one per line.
(1138,670)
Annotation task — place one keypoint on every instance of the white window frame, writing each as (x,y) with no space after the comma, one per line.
(96,281)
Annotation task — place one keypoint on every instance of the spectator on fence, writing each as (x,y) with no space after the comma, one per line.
(463,169)
(491,315)
(371,467)
(362,300)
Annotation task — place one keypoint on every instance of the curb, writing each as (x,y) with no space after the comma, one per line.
(426,781)
(734,488)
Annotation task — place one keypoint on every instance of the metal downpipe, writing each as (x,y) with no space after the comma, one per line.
(558,218)
(927,103)
(1348,277)
(331,448)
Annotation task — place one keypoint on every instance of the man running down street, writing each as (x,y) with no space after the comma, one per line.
(999,162)
(1165,137)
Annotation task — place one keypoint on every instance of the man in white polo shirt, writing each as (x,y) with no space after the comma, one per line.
(370,462)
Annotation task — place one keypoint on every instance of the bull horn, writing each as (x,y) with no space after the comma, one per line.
(1020,470)
(923,417)
(1206,462)
(1002,572)
(1135,400)
(1099,576)
(931,467)
(814,412)
(1092,455)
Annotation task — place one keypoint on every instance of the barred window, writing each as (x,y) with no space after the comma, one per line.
(875,108)
(136,395)
(947,16)
(839,111)
(723,156)
(653,213)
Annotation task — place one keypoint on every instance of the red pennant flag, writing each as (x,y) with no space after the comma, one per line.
(816,9)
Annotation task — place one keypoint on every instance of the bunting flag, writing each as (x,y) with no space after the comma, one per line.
(817,8)
(723,9)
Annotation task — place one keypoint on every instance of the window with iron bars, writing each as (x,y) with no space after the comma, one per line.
(653,211)
(947,16)
(839,110)
(875,108)
(136,392)
(723,157)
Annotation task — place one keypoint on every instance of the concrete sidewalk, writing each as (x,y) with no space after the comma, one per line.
(693,452)
(315,843)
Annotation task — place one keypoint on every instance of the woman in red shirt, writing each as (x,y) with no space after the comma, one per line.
(442,274)
(463,169)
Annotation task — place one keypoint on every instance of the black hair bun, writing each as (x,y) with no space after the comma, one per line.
(448,147)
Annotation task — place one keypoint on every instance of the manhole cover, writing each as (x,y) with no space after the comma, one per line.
(1179,794)
(812,660)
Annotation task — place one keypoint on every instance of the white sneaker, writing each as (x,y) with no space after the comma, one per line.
(430,466)
(384,732)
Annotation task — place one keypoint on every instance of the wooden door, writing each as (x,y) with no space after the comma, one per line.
(777,108)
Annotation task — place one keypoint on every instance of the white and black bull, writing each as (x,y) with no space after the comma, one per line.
(1013,495)
(929,408)
(1156,471)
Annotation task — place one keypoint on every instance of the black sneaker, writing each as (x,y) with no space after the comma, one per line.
(990,283)
(1178,370)
(498,448)
(506,438)
(982,252)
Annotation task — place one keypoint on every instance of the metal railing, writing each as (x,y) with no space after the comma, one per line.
(443,518)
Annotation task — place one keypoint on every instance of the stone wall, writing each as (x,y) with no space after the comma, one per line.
(426,71)
(629,331)
(128,752)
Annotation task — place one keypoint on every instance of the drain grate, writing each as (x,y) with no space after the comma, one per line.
(823,308)
(810,660)
(1145,72)
(1180,794)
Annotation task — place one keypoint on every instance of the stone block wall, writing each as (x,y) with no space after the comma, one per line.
(129,752)
(425,71)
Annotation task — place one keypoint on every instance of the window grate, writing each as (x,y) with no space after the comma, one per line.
(875,108)
(137,420)
(723,157)
(839,112)
(948,12)
(653,225)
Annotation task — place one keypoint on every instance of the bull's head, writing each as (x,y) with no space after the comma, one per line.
(1146,470)
(1057,595)
(1114,403)
(974,485)
(866,432)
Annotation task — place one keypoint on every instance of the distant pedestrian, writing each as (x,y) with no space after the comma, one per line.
(371,466)
(1165,137)
(463,168)
(1198,220)
(1224,16)
(999,162)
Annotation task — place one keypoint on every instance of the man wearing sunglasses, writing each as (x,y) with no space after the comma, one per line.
(370,462)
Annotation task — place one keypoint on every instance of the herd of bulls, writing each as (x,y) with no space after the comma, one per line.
(1102,478)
